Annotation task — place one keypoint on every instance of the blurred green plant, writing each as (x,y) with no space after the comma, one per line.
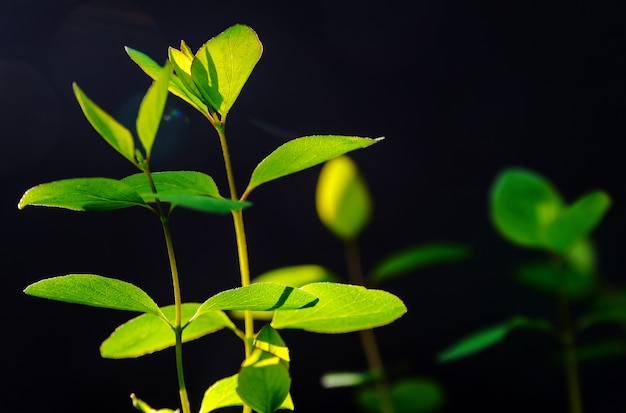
(345,207)
(528,211)
(209,80)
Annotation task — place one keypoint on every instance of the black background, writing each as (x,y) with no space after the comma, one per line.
(460,90)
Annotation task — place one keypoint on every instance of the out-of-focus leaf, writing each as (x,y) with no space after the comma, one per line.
(408,396)
(416,258)
(346,379)
(342,199)
(548,277)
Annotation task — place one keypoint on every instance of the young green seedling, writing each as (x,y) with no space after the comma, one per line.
(210,80)
(530,213)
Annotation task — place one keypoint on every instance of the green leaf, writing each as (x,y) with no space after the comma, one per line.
(222,393)
(111,130)
(199,202)
(342,199)
(577,221)
(523,204)
(416,258)
(151,110)
(488,337)
(271,342)
(342,308)
(182,66)
(602,350)
(223,65)
(608,307)
(264,382)
(293,276)
(407,396)
(302,153)
(95,291)
(548,277)
(259,297)
(153,69)
(83,194)
(347,379)
(175,182)
(147,333)
(146,408)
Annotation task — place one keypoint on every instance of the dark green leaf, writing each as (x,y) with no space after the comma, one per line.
(199,202)
(416,258)
(83,194)
(408,396)
(264,382)
(96,291)
(302,153)
(548,277)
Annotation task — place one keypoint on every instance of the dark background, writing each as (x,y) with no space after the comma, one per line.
(460,90)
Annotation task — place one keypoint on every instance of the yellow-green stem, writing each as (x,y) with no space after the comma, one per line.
(240,234)
(368,338)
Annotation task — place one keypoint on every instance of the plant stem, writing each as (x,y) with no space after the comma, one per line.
(240,235)
(368,338)
(178,330)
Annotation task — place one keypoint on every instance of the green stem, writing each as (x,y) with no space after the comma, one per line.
(368,338)
(178,329)
(240,235)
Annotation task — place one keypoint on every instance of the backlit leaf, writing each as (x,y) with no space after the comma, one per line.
(416,258)
(83,194)
(151,110)
(342,308)
(96,291)
(302,153)
(222,393)
(116,134)
(223,65)
(264,383)
(147,333)
(146,408)
(175,182)
(342,199)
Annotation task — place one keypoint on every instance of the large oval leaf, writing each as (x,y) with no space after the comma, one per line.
(147,333)
(83,194)
(342,308)
(175,182)
(223,65)
(302,153)
(264,382)
(342,199)
(260,297)
(116,134)
(96,291)
(523,204)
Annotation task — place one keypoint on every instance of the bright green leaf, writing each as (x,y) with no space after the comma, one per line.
(577,221)
(199,202)
(223,65)
(175,182)
(182,66)
(417,258)
(523,204)
(151,110)
(302,153)
(147,333)
(264,384)
(488,337)
(271,342)
(346,379)
(342,199)
(548,277)
(153,69)
(407,396)
(111,130)
(95,291)
(260,297)
(146,408)
(83,194)
(342,308)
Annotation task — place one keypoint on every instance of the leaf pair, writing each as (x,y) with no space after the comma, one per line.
(527,210)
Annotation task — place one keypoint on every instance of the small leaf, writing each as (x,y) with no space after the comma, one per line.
(346,379)
(146,333)
(264,384)
(302,153)
(151,110)
(175,182)
(182,66)
(407,396)
(417,258)
(342,308)
(271,342)
(146,408)
(488,337)
(199,202)
(95,291)
(223,65)
(153,69)
(83,194)
(222,393)
(523,204)
(577,221)
(600,350)
(342,199)
(547,277)
(110,129)
(259,297)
